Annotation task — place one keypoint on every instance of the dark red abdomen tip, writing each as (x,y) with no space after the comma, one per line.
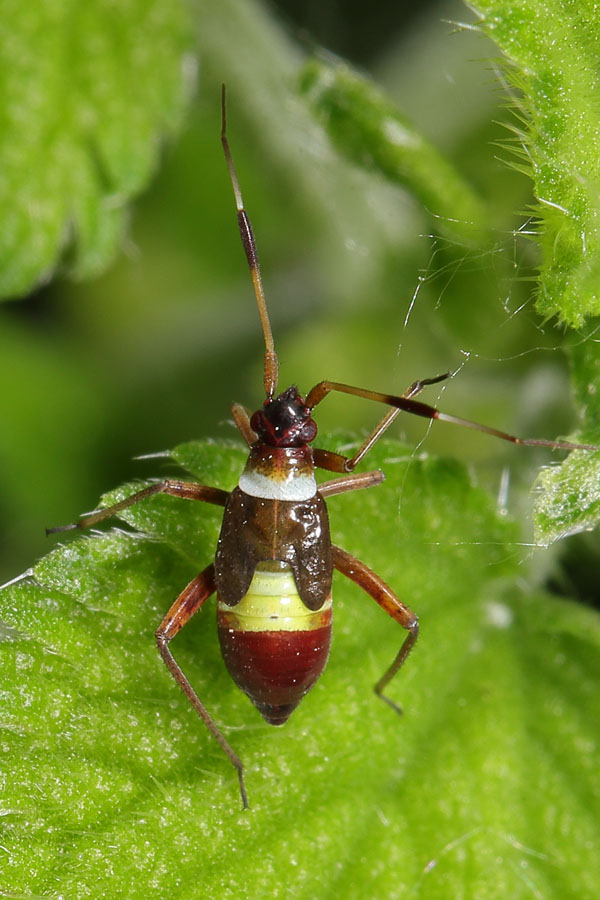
(275,668)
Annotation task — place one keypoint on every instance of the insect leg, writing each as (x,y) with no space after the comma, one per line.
(189,601)
(187,490)
(335,462)
(242,421)
(373,585)
(416,408)
(354,482)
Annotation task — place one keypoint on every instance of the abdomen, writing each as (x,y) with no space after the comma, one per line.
(274,647)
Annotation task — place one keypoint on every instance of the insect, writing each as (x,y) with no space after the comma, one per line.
(274,561)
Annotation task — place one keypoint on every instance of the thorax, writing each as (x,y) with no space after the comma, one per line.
(279,473)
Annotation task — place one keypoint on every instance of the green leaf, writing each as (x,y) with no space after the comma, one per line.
(114,787)
(569,499)
(553,48)
(367,129)
(569,494)
(89,91)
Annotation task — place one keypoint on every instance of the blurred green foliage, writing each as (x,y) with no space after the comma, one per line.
(554,51)
(364,286)
(87,92)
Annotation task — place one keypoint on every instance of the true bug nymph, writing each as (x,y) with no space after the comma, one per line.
(274,561)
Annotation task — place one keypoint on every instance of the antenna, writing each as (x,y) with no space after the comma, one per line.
(249,244)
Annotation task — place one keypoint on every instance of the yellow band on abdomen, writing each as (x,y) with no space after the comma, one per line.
(273,604)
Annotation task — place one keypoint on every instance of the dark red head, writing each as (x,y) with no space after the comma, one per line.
(284,421)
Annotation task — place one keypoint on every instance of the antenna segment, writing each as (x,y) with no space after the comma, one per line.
(249,244)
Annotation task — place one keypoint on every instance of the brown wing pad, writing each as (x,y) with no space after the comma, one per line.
(255,530)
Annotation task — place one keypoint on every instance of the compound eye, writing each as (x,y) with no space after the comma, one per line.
(259,424)
(308,432)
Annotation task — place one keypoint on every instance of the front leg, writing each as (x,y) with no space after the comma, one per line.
(365,578)
(186,490)
(335,462)
(189,602)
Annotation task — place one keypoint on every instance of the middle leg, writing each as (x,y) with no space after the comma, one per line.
(186,490)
